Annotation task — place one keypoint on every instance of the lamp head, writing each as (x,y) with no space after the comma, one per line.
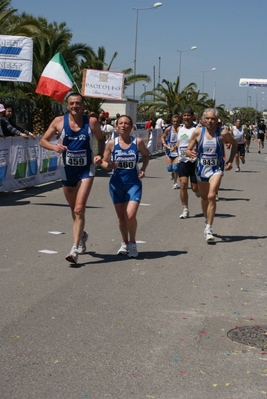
(213,69)
(156,5)
(193,47)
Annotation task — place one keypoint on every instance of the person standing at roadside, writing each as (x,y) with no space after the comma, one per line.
(75,144)
(125,187)
(209,141)
(9,127)
(187,165)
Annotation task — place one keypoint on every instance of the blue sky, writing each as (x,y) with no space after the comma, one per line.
(230,36)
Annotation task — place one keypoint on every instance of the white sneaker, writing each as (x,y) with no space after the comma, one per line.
(208,234)
(72,257)
(237,169)
(133,253)
(124,249)
(175,186)
(82,244)
(185,214)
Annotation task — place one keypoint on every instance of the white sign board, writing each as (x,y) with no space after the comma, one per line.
(16,58)
(252,82)
(103,84)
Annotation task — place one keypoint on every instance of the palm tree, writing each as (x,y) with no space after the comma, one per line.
(168,100)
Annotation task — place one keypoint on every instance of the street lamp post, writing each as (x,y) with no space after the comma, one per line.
(145,85)
(203,78)
(155,5)
(180,61)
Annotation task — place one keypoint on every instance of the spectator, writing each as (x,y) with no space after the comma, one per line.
(9,127)
(107,129)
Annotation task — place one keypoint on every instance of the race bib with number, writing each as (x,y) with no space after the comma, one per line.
(208,160)
(182,151)
(125,161)
(76,158)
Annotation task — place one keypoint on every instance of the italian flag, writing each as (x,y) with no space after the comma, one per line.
(56,79)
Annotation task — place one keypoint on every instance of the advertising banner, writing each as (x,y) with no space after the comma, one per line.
(16,54)
(23,163)
(252,82)
(103,84)
(5,146)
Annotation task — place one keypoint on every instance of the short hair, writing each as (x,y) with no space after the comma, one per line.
(213,110)
(188,111)
(74,94)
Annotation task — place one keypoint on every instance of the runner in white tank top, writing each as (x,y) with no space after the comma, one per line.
(169,142)
(187,166)
(209,187)
(239,134)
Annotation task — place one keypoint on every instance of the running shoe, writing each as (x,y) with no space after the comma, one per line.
(208,234)
(72,257)
(133,253)
(124,249)
(185,214)
(171,175)
(197,195)
(237,169)
(217,198)
(175,186)
(259,152)
(82,244)
(243,161)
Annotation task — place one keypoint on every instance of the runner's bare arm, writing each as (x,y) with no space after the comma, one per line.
(55,127)
(95,126)
(145,157)
(229,139)
(190,151)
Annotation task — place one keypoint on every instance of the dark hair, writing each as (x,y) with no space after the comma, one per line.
(9,106)
(188,111)
(74,94)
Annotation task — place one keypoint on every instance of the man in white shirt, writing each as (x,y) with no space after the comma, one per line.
(159,123)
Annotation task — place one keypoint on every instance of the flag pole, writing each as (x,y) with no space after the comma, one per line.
(75,84)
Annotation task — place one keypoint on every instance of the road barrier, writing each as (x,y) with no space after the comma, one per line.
(23,163)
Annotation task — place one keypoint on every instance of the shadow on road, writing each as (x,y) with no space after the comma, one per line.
(233,199)
(225,239)
(110,258)
(219,215)
(15,197)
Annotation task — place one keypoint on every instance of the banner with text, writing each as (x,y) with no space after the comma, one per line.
(103,84)
(16,54)
(252,82)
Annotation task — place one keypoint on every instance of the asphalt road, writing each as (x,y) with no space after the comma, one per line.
(151,327)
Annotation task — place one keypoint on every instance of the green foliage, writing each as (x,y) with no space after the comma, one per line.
(246,113)
(168,100)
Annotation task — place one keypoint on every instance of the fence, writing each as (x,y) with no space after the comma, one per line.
(23,163)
